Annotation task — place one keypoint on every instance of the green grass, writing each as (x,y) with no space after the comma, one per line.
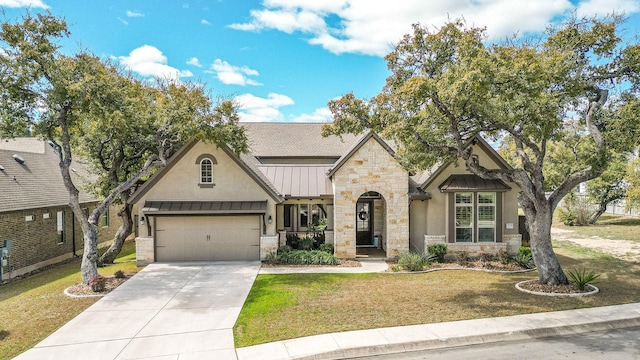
(289,306)
(608,227)
(34,307)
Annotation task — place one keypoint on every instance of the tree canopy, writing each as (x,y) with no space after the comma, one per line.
(448,86)
(125,127)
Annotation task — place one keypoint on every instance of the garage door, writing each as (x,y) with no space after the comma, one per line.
(207,238)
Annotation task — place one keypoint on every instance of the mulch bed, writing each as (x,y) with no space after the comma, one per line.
(534,285)
(81,290)
(341,263)
(469,265)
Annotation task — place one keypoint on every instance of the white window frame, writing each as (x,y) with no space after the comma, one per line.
(486,224)
(464,205)
(206,178)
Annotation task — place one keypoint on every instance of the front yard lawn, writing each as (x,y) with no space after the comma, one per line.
(34,307)
(607,227)
(289,306)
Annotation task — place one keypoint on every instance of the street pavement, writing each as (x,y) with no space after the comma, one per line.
(187,311)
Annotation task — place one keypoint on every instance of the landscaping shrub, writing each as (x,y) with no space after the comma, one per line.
(439,250)
(503,257)
(412,261)
(485,259)
(284,249)
(575,210)
(98,283)
(328,248)
(462,257)
(525,250)
(303,257)
(305,243)
(524,260)
(119,274)
(580,278)
(292,240)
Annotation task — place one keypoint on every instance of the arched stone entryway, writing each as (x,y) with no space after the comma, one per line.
(370,224)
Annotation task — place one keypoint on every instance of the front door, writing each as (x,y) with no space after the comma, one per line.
(364,223)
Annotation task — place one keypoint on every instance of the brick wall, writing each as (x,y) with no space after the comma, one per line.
(36,243)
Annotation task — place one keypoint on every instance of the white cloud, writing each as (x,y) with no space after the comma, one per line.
(123,20)
(605,7)
(194,61)
(257,109)
(234,75)
(319,115)
(24,3)
(368,27)
(134,14)
(147,60)
(204,22)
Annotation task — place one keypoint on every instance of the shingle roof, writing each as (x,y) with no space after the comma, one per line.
(295,140)
(37,183)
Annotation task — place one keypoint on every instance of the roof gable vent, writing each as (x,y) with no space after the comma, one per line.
(19,159)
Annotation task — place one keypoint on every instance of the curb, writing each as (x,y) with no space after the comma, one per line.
(540,293)
(488,338)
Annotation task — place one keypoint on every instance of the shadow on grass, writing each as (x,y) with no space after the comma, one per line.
(607,220)
(3,334)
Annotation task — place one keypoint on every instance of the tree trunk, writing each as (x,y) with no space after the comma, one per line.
(88,268)
(121,235)
(549,269)
(596,214)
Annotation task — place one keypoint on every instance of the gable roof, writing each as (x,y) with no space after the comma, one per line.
(299,181)
(269,139)
(363,140)
(245,162)
(38,182)
(484,145)
(462,182)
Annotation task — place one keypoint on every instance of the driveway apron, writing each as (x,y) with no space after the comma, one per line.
(166,311)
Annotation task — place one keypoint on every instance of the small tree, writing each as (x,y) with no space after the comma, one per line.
(80,102)
(446,87)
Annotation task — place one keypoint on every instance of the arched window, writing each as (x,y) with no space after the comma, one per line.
(206,171)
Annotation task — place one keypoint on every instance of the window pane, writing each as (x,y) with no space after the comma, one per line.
(486,235)
(464,198)
(464,234)
(60,226)
(304,215)
(486,198)
(486,214)
(206,171)
(287,215)
(464,216)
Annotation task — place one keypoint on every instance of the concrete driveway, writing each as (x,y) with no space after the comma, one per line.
(166,311)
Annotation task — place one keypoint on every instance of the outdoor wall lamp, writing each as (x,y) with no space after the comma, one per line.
(270,219)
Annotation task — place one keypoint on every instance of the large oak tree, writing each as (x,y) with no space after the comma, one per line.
(448,86)
(126,127)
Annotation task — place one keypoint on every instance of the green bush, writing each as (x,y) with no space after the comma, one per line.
(412,261)
(524,261)
(328,248)
(306,243)
(439,250)
(303,257)
(284,249)
(119,274)
(581,279)
(525,250)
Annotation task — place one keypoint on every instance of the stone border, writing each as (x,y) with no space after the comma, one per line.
(460,268)
(592,292)
(66,292)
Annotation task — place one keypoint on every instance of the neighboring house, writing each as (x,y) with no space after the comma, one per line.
(209,204)
(34,212)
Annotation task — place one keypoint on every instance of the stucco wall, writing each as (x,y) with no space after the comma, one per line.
(232,183)
(371,168)
(418,224)
(438,206)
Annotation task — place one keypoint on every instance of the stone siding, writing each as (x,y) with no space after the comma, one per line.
(268,245)
(510,243)
(371,168)
(145,253)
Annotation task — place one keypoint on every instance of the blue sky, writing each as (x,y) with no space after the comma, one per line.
(283,60)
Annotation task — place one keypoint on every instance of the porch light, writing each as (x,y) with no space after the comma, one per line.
(270,219)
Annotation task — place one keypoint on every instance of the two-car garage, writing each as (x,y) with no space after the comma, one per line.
(206,231)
